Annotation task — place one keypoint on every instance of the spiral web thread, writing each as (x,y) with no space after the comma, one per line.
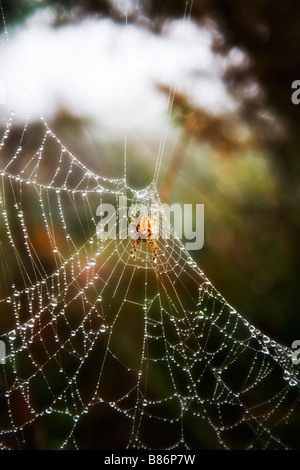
(106,351)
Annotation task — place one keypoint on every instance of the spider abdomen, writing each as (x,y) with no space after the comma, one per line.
(144,227)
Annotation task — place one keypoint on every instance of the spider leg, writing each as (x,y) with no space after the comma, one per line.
(135,247)
(154,249)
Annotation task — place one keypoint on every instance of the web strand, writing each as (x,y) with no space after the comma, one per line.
(94,336)
(192,359)
(170,101)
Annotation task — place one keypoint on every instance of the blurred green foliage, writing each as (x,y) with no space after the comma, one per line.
(250,191)
(249,186)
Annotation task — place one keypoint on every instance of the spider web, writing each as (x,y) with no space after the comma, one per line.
(107,352)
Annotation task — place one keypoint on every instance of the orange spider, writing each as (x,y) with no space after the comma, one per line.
(145,230)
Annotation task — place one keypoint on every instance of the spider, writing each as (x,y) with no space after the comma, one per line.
(145,230)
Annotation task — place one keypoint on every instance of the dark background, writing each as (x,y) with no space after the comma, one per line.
(250,187)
